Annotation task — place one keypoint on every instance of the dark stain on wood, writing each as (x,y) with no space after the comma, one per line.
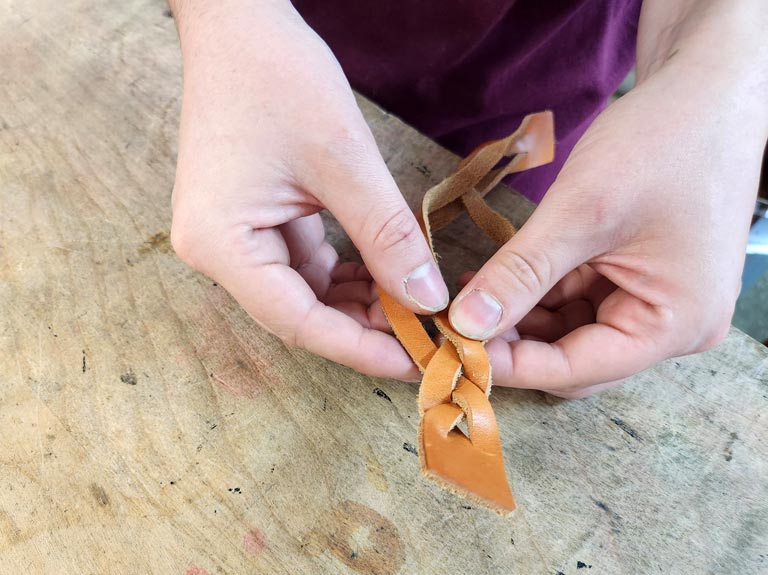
(381,393)
(129,378)
(255,542)
(728,450)
(362,539)
(625,427)
(160,242)
(423,170)
(99,494)
(616,521)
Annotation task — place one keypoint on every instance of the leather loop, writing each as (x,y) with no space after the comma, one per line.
(409,331)
(457,375)
(474,358)
(440,379)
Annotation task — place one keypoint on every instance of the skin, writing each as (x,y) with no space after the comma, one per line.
(271,135)
(634,255)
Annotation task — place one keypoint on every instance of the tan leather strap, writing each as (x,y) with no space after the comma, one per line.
(456,379)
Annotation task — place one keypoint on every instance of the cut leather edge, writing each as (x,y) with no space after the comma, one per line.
(485,484)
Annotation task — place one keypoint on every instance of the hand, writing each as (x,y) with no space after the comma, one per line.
(636,252)
(270,135)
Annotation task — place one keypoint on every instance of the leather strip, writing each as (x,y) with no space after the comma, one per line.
(456,382)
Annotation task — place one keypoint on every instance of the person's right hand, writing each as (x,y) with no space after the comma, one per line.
(270,135)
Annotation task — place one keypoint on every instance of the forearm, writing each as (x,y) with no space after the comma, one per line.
(193,10)
(716,49)
(227,23)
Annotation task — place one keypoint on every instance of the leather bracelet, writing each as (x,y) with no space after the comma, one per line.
(456,382)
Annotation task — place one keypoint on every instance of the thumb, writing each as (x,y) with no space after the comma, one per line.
(362,195)
(515,279)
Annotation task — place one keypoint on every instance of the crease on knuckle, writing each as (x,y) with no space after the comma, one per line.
(296,335)
(532,274)
(568,374)
(397,231)
(291,339)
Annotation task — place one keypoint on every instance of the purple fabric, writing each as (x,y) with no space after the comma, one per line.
(467,71)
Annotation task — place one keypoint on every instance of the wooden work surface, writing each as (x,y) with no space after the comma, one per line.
(149,427)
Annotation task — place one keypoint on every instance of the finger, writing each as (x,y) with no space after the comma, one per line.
(356,186)
(371,316)
(582,283)
(586,391)
(256,273)
(377,317)
(518,276)
(303,237)
(310,255)
(464,278)
(510,335)
(350,271)
(363,292)
(316,272)
(590,355)
(531,338)
(552,325)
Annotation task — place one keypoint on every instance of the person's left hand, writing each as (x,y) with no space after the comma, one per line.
(635,253)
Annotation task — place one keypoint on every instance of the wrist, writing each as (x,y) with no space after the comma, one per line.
(229,26)
(712,56)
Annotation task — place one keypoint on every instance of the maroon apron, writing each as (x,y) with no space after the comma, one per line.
(466,71)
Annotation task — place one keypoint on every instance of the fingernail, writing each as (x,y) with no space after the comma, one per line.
(425,287)
(476,315)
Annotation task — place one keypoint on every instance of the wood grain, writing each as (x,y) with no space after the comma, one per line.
(148,426)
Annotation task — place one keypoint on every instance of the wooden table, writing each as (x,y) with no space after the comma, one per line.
(148,426)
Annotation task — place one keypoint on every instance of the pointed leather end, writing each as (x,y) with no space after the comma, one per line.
(451,460)
(537,140)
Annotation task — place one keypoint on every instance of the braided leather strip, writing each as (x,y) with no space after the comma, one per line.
(456,379)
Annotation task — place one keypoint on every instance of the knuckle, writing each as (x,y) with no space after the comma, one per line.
(665,320)
(396,231)
(298,333)
(344,146)
(573,393)
(715,335)
(529,272)
(183,242)
(715,322)
(190,240)
(347,156)
(291,339)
